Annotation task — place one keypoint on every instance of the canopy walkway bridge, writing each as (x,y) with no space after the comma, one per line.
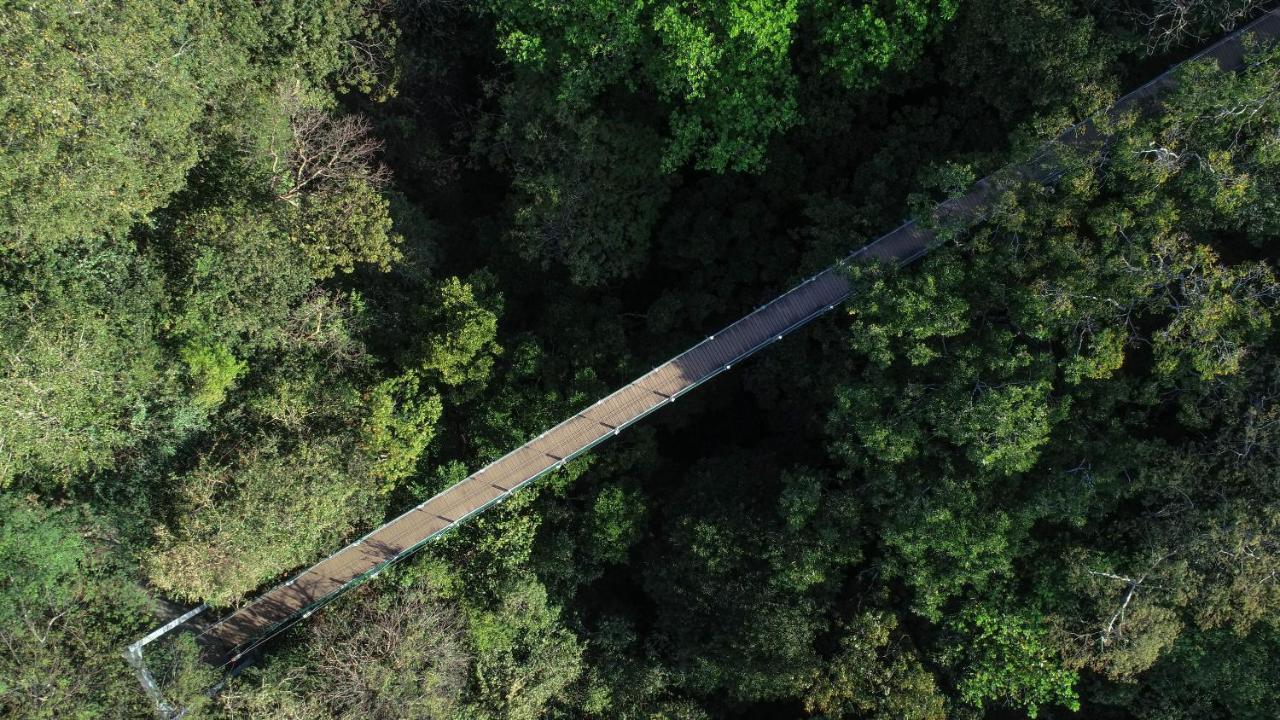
(280,607)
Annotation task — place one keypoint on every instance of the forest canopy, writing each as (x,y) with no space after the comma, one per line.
(271,273)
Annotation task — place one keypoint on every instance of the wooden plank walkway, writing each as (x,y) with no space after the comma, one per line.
(296,599)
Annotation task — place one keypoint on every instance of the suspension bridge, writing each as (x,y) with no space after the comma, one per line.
(230,638)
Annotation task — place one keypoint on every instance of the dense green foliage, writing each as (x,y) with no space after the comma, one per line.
(271,272)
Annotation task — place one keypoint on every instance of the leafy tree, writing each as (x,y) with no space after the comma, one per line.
(66,608)
(288,508)
(524,660)
(84,382)
(401,423)
(561,215)
(875,674)
(1006,659)
(1210,675)
(727,67)
(100,110)
(235,274)
(724,68)
(722,75)
(311,470)
(213,369)
(401,656)
(621,684)
(41,556)
(350,225)
(1068,50)
(863,41)
(459,347)
(617,519)
(349,45)
(733,623)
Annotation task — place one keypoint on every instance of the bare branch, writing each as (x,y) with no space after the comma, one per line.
(323,152)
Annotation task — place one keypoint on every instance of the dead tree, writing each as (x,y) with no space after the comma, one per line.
(325,152)
(1173,21)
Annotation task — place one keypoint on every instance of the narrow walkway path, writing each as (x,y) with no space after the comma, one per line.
(298,598)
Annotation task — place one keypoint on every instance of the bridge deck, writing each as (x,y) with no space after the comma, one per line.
(281,605)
